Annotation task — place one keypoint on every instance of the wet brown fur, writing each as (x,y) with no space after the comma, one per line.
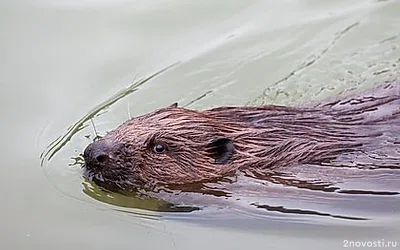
(360,131)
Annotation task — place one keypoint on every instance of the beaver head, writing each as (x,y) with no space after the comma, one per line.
(169,146)
(173,146)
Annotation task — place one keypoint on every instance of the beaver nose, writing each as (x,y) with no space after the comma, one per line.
(96,153)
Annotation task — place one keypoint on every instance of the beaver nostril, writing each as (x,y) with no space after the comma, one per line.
(97,153)
(101,157)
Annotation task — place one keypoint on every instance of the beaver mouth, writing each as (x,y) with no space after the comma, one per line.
(91,174)
(115,181)
(95,176)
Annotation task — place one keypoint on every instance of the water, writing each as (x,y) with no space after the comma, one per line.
(61,60)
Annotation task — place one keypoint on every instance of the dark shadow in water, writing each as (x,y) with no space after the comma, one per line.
(368,192)
(204,188)
(289,180)
(281,209)
(276,177)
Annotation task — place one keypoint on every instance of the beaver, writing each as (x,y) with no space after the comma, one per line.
(176,146)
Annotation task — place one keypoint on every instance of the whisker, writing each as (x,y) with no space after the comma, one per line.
(129,112)
(94,129)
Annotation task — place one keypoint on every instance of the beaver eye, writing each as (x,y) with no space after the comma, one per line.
(159,148)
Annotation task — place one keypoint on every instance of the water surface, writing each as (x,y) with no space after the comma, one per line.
(65,61)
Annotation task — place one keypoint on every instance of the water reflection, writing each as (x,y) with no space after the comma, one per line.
(136,200)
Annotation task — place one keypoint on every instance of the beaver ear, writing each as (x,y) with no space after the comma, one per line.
(173,105)
(221,149)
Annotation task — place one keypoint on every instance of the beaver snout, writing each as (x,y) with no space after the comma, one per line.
(97,154)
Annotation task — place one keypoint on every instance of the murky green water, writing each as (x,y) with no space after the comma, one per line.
(61,60)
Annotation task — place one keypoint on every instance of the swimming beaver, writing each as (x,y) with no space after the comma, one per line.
(174,146)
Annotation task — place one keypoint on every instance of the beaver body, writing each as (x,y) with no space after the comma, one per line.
(176,147)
